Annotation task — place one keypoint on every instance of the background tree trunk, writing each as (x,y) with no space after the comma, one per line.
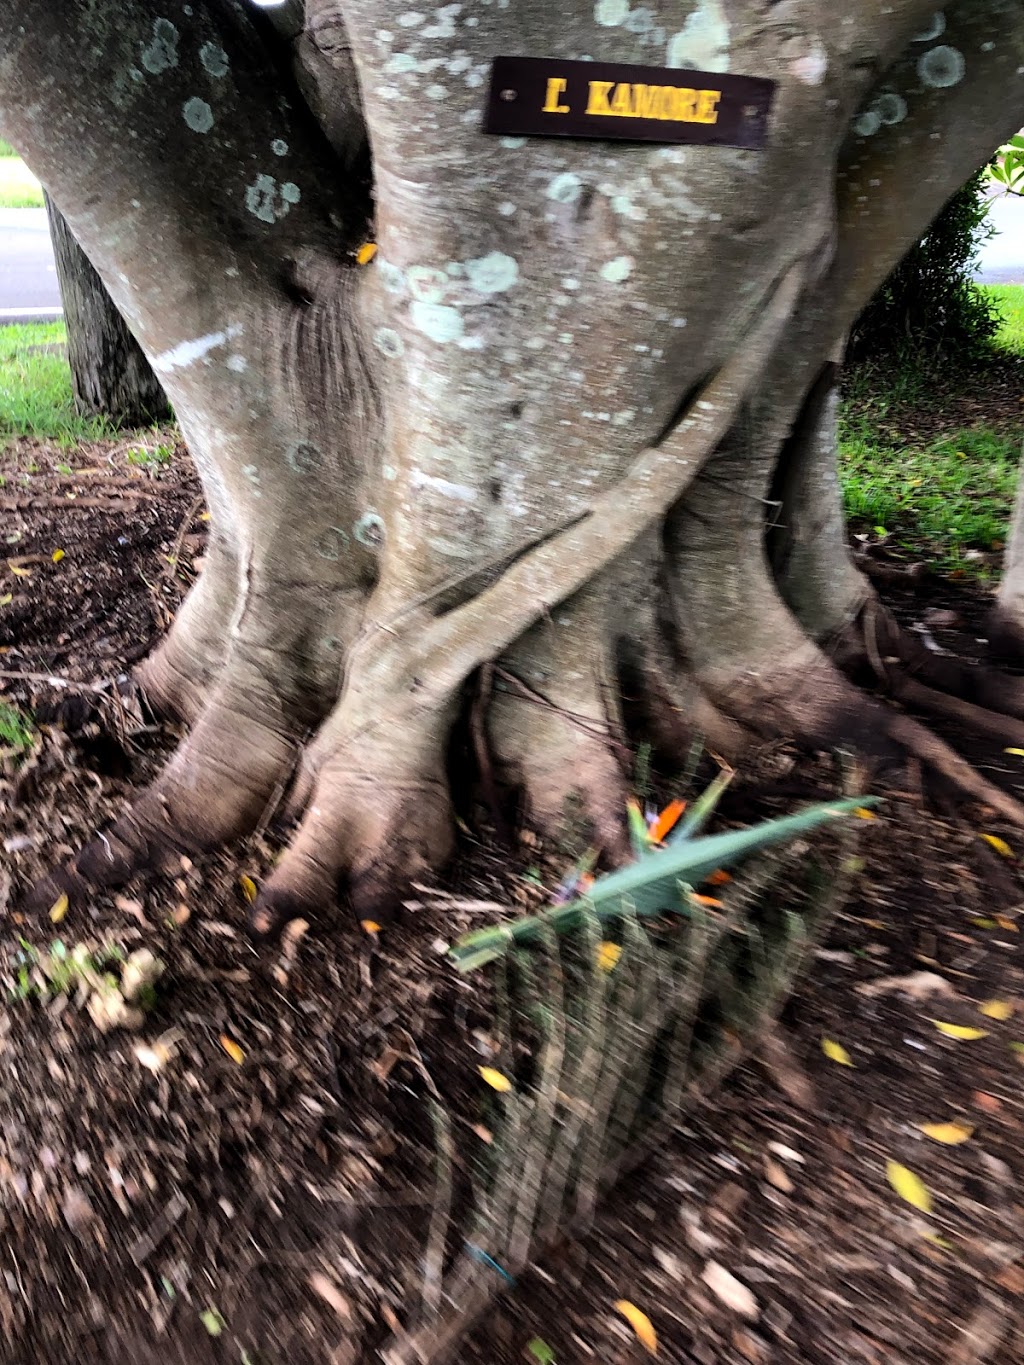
(109,373)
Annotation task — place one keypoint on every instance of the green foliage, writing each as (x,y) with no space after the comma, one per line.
(150,457)
(1007,168)
(1008,301)
(55,971)
(653,885)
(16,731)
(929,305)
(6,149)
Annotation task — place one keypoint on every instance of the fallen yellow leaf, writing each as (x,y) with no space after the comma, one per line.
(996,1009)
(369,926)
(1000,845)
(232,1049)
(641,1325)
(18,570)
(719,878)
(909,1186)
(1007,924)
(59,908)
(835,1052)
(496,1079)
(366,253)
(862,813)
(7,599)
(608,955)
(57,556)
(709,901)
(938,1241)
(962,1031)
(666,821)
(1018,752)
(249,889)
(950,1134)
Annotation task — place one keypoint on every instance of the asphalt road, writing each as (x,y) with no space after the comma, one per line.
(28,279)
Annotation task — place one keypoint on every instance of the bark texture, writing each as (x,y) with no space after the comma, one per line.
(110,375)
(567,438)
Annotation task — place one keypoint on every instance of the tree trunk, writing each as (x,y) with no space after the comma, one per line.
(110,375)
(543,428)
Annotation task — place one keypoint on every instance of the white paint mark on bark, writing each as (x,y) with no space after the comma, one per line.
(942,67)
(611,13)
(618,270)
(434,320)
(493,273)
(459,491)
(197,114)
(214,59)
(703,41)
(161,54)
(565,188)
(188,352)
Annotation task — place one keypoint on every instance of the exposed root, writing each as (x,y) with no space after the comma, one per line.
(556,732)
(216,788)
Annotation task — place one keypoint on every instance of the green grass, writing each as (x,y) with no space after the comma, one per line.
(19,189)
(1010,299)
(16,732)
(35,387)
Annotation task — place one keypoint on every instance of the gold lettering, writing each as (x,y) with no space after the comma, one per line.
(684,106)
(598,100)
(620,101)
(707,106)
(647,101)
(555,90)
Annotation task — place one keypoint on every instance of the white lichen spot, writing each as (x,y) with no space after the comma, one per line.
(868,123)
(511,143)
(617,270)
(238,363)
(331,544)
(436,92)
(935,29)
(251,474)
(390,276)
(456,269)
(988,47)
(942,67)
(565,188)
(369,530)
(611,13)
(436,321)
(461,62)
(214,59)
(570,283)
(388,342)
(161,54)
(411,19)
(623,418)
(197,114)
(279,147)
(506,208)
(188,352)
(891,108)
(493,273)
(444,22)
(269,202)
(390,473)
(427,284)
(401,63)
(642,21)
(703,41)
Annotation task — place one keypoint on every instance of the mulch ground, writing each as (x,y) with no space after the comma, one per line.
(257,1186)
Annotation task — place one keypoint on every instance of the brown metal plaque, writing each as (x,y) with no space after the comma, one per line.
(613,101)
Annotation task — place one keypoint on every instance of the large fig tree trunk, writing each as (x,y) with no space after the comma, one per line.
(110,375)
(546,425)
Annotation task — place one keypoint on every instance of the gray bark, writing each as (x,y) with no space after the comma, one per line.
(110,375)
(561,351)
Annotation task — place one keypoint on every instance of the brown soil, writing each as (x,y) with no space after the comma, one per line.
(286,1195)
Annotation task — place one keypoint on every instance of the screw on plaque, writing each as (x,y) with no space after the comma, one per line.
(509,95)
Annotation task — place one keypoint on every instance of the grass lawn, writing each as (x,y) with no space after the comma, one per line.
(35,386)
(19,189)
(949,490)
